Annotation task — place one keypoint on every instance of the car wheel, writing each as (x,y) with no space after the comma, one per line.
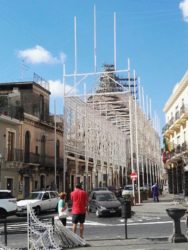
(98,213)
(3,214)
(37,210)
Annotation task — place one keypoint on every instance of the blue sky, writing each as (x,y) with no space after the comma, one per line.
(38,36)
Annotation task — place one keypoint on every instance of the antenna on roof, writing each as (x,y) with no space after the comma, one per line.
(23,68)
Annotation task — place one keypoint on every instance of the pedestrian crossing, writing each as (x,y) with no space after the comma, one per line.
(21,227)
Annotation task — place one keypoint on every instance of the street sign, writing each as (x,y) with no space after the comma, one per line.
(134,176)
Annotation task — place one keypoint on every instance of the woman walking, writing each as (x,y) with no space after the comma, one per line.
(62,207)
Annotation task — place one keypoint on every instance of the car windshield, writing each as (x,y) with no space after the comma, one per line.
(128,188)
(105,197)
(35,196)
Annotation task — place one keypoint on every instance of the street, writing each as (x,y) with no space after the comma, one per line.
(139,226)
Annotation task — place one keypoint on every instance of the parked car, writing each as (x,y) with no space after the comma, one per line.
(8,204)
(100,188)
(116,191)
(128,190)
(104,203)
(40,201)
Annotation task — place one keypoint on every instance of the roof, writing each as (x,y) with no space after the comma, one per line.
(26,84)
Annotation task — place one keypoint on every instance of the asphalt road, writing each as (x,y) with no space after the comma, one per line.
(112,228)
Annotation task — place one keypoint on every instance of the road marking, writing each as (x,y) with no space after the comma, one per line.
(97,224)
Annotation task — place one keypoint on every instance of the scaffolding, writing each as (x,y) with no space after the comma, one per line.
(105,127)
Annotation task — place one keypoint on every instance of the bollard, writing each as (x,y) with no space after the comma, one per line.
(5,232)
(126,213)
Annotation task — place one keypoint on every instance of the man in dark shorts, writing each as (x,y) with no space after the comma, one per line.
(79,207)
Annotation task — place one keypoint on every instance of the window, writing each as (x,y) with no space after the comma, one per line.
(53,195)
(36,150)
(11,141)
(41,107)
(46,196)
(27,147)
(57,149)
(178,140)
(5,195)
(42,182)
(43,149)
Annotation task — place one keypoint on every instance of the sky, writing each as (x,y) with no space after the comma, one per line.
(38,36)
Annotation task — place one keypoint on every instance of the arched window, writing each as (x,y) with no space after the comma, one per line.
(27,147)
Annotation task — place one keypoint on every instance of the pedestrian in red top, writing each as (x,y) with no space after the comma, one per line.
(79,200)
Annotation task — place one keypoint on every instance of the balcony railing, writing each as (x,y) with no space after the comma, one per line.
(13,112)
(177,149)
(18,155)
(178,114)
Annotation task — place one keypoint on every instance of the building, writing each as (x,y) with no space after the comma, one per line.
(32,139)
(175,138)
(106,134)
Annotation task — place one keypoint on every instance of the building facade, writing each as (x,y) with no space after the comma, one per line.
(175,138)
(32,139)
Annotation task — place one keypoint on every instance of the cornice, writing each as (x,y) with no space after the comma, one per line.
(177,92)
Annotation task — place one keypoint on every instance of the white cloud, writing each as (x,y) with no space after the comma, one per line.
(184,8)
(38,54)
(57,88)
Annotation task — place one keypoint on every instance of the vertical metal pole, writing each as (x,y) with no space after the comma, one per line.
(129,75)
(5,232)
(143,101)
(95,42)
(114,40)
(64,136)
(75,46)
(55,147)
(136,135)
(131,142)
(125,214)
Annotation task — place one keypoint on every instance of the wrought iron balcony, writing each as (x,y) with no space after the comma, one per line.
(177,150)
(13,112)
(18,155)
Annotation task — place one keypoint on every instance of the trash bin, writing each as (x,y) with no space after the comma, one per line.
(126,209)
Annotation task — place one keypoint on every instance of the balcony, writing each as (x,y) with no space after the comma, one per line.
(175,122)
(13,112)
(177,152)
(18,155)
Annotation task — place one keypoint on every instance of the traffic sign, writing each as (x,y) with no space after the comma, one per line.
(134,176)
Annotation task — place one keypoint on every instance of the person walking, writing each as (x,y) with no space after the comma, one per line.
(62,207)
(155,192)
(79,200)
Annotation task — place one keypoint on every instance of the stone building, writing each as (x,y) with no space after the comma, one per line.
(175,138)
(30,158)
